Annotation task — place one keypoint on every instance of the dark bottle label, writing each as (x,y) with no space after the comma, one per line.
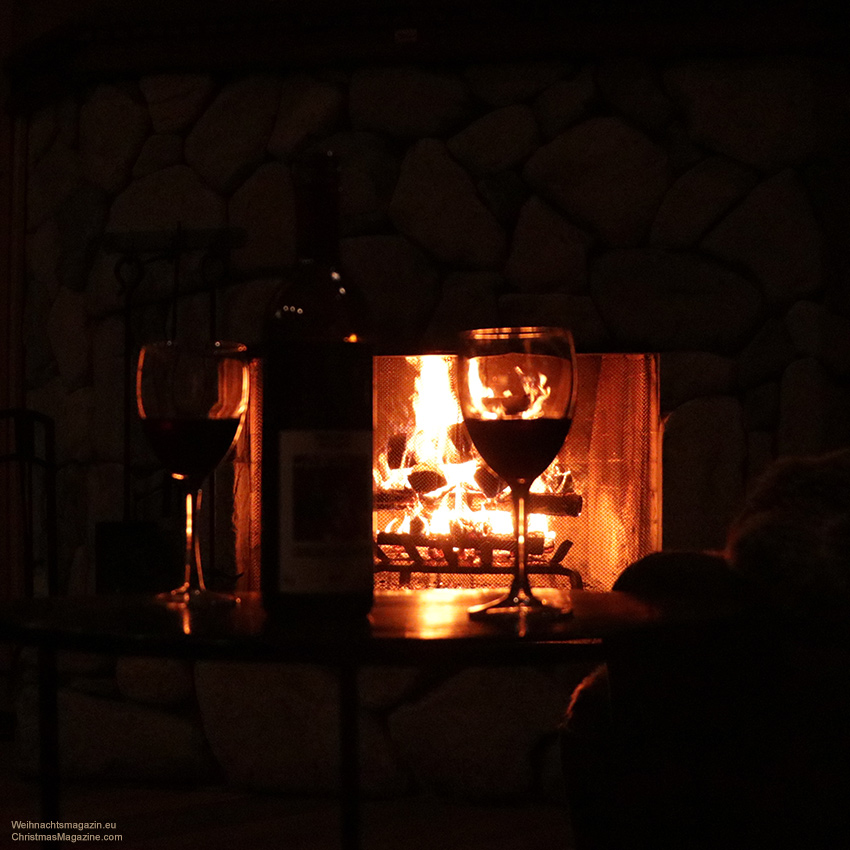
(317,468)
(325,511)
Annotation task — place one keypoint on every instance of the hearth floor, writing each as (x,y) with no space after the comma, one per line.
(216,818)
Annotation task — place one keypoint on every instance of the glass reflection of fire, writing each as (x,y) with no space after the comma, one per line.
(440,509)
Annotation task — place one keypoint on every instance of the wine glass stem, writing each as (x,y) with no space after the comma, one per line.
(193,573)
(520,585)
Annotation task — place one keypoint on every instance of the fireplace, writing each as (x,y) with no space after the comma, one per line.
(442,519)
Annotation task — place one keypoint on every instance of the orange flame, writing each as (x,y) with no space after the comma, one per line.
(457,502)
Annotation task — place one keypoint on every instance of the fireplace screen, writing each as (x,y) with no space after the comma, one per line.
(442,519)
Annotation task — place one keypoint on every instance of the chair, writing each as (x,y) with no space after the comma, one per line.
(657,748)
(732,736)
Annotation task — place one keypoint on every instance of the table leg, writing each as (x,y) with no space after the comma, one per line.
(48,732)
(349,756)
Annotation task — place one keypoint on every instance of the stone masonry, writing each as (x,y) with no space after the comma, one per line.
(696,208)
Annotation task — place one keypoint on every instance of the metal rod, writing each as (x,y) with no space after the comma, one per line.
(212,501)
(52,553)
(129,402)
(175,294)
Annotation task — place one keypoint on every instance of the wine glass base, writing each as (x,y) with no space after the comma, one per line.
(197,598)
(512,608)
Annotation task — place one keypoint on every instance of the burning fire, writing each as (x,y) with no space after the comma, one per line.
(454,494)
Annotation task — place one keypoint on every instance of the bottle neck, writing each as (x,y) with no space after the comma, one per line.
(317,234)
(317,211)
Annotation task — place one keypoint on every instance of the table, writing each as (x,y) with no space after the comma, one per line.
(404,627)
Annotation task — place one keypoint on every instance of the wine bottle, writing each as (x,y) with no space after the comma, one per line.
(317,551)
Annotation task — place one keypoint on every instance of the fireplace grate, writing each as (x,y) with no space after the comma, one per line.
(462,559)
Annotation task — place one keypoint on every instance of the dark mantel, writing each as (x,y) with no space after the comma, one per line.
(85,40)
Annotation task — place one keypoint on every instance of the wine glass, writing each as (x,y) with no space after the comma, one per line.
(191,397)
(517,391)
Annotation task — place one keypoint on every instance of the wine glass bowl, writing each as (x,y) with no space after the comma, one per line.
(517,390)
(191,398)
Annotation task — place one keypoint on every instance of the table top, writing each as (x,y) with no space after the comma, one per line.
(403,627)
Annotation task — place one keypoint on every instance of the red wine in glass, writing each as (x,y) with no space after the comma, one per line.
(517,390)
(518,450)
(190,448)
(191,397)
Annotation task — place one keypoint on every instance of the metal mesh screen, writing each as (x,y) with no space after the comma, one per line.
(601,502)
(607,473)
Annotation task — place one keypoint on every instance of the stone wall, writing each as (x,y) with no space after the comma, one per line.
(697,208)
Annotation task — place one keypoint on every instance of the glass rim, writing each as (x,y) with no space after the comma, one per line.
(517,332)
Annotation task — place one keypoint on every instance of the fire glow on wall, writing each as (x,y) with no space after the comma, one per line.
(443,519)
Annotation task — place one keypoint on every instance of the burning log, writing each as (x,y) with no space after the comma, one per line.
(535,543)
(400,451)
(462,441)
(396,447)
(490,483)
(426,477)
(566,504)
